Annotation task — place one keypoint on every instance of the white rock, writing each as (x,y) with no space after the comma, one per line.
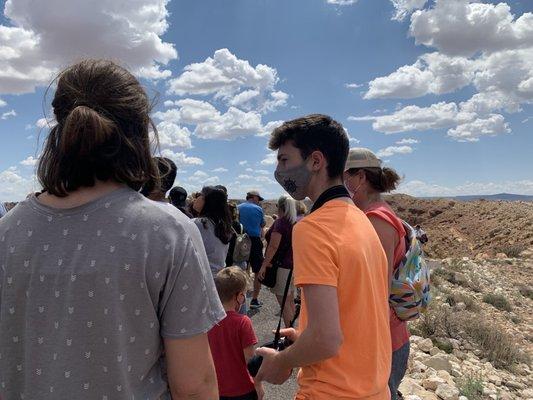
(439,362)
(425,345)
(412,397)
(447,392)
(527,393)
(495,379)
(432,383)
(434,351)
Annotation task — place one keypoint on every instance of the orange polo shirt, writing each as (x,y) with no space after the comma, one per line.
(337,246)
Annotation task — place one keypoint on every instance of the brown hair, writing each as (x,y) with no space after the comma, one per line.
(229,282)
(380,179)
(315,132)
(102,115)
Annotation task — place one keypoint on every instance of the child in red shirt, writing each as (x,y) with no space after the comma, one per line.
(233,339)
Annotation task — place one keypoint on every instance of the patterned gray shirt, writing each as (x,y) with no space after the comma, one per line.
(87,293)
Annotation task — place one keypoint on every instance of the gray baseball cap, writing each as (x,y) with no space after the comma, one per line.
(359,157)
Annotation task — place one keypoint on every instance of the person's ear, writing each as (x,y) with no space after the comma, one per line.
(318,161)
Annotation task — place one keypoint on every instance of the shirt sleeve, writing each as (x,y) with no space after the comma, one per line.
(247,335)
(314,255)
(189,302)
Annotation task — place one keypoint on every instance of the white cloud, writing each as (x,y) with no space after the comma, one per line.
(391,150)
(29,161)
(203,179)
(14,186)
(482,45)
(407,141)
(211,124)
(353,140)
(432,73)
(2,103)
(181,158)
(267,129)
(230,125)
(172,135)
(243,162)
(39,41)
(270,159)
(420,188)
(465,27)
(45,123)
(342,2)
(8,114)
(406,7)
(220,169)
(231,79)
(409,118)
(471,131)
(352,85)
(245,176)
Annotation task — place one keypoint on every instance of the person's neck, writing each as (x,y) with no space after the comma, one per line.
(158,196)
(229,306)
(321,186)
(369,199)
(81,195)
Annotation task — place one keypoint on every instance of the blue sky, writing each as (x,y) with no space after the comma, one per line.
(442,90)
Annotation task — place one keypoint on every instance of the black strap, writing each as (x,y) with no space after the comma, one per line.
(277,335)
(333,192)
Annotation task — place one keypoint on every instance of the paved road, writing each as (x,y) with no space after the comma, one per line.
(264,321)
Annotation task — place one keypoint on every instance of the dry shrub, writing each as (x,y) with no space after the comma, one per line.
(471,386)
(497,346)
(498,301)
(512,250)
(526,291)
(454,298)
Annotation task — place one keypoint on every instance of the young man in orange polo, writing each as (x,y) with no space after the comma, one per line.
(343,343)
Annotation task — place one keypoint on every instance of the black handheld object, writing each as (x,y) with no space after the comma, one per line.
(255,362)
(278,343)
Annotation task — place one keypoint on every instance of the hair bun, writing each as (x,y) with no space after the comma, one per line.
(84,130)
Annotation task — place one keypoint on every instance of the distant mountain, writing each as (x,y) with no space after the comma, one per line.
(492,197)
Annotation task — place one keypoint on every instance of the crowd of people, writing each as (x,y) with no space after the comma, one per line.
(116,285)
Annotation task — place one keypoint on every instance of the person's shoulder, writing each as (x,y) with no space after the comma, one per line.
(161,216)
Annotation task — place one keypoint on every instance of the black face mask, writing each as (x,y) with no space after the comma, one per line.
(334,192)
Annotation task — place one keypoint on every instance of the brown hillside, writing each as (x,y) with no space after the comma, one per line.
(459,228)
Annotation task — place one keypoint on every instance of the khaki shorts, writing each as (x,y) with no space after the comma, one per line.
(281,281)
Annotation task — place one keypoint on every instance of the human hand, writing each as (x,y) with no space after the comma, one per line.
(272,370)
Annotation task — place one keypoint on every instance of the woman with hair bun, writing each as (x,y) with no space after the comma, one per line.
(104,294)
(366,180)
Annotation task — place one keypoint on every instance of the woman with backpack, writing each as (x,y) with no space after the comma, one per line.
(366,179)
(214,223)
(278,254)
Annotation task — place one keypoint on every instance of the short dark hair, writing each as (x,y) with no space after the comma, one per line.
(102,115)
(178,196)
(315,132)
(167,175)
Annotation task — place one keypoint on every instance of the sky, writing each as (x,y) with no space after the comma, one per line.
(441,90)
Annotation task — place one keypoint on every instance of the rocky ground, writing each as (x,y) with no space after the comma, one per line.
(475,342)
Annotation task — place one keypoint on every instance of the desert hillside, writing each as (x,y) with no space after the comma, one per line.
(479,228)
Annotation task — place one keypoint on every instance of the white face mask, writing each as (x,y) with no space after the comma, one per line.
(350,192)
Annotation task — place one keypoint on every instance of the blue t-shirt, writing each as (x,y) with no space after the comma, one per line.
(251,216)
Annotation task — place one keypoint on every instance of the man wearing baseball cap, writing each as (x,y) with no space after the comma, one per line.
(252,218)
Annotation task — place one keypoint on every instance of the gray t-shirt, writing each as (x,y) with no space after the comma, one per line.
(215,249)
(87,293)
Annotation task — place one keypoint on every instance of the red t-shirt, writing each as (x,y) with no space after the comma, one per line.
(227,340)
(398,328)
